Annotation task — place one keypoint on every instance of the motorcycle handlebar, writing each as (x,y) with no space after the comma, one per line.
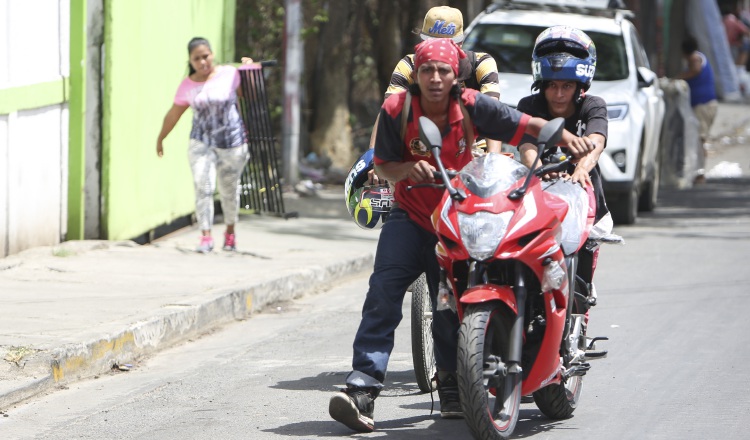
(437,176)
(552,167)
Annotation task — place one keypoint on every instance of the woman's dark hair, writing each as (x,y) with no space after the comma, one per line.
(195,42)
(689,45)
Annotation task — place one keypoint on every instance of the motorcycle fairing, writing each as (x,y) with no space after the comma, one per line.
(546,367)
(490,292)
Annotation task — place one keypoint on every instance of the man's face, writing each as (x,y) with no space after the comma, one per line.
(435,79)
(559,96)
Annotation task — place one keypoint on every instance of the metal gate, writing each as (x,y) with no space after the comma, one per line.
(260,185)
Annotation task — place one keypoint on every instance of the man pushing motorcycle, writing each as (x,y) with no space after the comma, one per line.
(406,247)
(564,63)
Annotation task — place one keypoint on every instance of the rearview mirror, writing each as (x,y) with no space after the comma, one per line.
(429,134)
(646,77)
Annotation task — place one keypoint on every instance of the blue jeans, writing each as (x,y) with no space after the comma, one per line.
(405,251)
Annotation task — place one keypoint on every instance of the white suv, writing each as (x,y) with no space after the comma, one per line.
(630,163)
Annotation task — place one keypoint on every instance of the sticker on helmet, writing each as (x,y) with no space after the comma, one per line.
(584,70)
(359,166)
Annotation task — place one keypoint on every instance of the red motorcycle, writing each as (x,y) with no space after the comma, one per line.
(508,244)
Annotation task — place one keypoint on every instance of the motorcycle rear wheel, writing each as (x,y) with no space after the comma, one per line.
(484,332)
(422,344)
(558,401)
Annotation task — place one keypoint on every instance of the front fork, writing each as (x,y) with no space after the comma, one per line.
(476,277)
(516,332)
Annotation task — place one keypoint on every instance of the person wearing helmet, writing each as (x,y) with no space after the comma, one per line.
(406,245)
(477,71)
(563,66)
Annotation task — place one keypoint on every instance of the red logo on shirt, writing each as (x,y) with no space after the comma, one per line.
(417,148)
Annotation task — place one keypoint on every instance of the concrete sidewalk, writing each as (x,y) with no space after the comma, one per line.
(76,310)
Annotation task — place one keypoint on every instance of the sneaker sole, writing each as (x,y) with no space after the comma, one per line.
(451,415)
(342,410)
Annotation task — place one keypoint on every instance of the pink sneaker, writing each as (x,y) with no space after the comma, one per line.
(229,243)
(206,245)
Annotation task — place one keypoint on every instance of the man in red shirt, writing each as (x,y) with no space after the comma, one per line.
(406,247)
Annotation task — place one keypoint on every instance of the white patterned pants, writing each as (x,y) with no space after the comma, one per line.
(210,166)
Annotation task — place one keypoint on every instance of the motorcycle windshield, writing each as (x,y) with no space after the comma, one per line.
(574,223)
(491,173)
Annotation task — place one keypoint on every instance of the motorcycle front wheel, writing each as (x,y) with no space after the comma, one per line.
(491,405)
(422,345)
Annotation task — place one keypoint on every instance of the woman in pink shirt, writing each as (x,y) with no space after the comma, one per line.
(218,145)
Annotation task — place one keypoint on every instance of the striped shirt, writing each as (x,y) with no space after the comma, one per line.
(484,78)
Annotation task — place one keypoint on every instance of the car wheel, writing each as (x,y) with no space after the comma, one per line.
(650,194)
(624,209)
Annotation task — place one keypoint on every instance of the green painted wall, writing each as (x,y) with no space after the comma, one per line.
(77,121)
(145,60)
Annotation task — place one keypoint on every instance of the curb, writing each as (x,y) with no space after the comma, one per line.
(75,362)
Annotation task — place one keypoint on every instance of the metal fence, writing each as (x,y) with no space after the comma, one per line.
(260,185)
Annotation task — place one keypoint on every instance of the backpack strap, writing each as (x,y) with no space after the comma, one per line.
(467,125)
(405,110)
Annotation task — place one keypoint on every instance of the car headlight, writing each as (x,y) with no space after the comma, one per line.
(481,232)
(617,112)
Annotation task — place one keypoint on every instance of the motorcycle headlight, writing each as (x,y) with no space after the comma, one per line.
(481,232)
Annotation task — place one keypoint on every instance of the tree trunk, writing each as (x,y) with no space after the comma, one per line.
(331,135)
(387,41)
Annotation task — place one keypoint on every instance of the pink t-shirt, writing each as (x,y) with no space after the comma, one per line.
(216,121)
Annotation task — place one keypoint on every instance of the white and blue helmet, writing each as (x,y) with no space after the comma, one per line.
(563,53)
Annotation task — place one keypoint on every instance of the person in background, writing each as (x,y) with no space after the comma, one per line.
(738,36)
(703,99)
(447,22)
(218,144)
(477,71)
(406,246)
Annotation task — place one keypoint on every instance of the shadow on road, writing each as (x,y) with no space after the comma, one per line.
(721,197)
(399,384)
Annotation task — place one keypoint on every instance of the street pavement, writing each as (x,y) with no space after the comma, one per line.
(83,308)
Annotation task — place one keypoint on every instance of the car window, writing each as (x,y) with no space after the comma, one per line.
(640,54)
(511,46)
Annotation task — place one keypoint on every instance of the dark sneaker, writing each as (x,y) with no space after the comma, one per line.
(450,404)
(527,399)
(354,408)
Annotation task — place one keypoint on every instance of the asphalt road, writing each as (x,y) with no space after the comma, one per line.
(673,300)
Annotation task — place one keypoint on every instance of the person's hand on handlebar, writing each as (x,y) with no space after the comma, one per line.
(421,172)
(580,146)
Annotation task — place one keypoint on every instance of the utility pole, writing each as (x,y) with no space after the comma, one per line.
(293,62)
